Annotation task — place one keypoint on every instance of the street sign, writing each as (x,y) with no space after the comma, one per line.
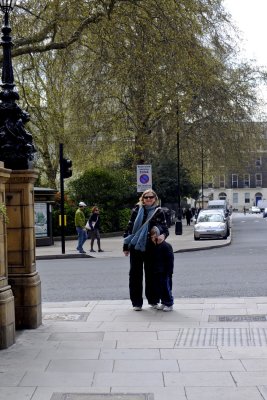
(144,178)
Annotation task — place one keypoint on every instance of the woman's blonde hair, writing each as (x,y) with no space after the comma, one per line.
(94,209)
(141,198)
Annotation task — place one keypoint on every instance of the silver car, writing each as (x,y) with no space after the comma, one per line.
(228,217)
(210,225)
(255,210)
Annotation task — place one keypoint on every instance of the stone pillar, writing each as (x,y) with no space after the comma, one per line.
(7,313)
(22,274)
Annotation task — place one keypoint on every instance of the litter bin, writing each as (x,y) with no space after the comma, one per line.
(178,228)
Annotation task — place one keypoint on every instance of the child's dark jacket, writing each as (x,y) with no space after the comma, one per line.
(163,258)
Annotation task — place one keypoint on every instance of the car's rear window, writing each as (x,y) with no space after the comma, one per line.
(210,218)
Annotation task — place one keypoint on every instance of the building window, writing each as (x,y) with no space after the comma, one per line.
(246,181)
(222,196)
(247,198)
(234,180)
(210,183)
(235,198)
(222,181)
(258,162)
(258,180)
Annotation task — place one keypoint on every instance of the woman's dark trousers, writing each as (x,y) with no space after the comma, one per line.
(138,261)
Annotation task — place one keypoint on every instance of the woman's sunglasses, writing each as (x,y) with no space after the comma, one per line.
(148,197)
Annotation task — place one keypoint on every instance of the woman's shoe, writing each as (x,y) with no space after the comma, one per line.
(92,251)
(100,251)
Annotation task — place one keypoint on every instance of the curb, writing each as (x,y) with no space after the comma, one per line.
(204,248)
(69,256)
(62,256)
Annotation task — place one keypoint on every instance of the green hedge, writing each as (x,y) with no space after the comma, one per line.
(112,190)
(111,220)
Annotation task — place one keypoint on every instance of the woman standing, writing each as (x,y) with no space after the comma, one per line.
(94,223)
(146,214)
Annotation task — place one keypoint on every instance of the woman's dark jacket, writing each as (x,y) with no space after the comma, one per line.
(158,220)
(94,218)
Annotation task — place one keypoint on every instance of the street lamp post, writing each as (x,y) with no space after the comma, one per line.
(16,146)
(202,177)
(178,224)
(17,151)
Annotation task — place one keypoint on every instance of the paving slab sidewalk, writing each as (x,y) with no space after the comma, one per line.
(103,350)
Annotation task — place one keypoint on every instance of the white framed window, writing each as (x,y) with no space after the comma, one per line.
(234,180)
(246,180)
(247,198)
(210,183)
(222,181)
(235,198)
(258,162)
(258,180)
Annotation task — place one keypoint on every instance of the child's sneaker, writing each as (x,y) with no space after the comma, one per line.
(137,308)
(160,306)
(154,306)
(166,308)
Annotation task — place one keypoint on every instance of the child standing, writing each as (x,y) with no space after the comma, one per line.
(163,260)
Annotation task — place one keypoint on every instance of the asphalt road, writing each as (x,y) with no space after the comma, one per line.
(236,270)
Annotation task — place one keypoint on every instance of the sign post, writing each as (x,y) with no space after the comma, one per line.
(144,177)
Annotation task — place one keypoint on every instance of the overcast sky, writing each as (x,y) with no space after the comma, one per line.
(251,17)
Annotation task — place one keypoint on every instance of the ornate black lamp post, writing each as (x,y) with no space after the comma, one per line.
(16,146)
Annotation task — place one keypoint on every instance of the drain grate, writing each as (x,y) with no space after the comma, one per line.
(212,337)
(66,316)
(238,318)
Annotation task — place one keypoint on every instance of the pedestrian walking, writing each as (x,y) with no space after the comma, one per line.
(80,227)
(146,214)
(163,261)
(94,224)
(188,216)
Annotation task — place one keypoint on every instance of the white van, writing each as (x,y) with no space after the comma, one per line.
(218,204)
(221,205)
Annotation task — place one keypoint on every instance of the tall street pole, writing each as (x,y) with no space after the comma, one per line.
(202,177)
(178,224)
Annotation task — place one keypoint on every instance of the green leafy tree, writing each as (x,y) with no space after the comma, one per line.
(111,77)
(165,182)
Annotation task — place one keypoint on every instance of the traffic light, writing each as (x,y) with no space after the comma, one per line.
(66,168)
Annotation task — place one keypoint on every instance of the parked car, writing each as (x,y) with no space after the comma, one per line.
(264,214)
(219,210)
(254,210)
(210,225)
